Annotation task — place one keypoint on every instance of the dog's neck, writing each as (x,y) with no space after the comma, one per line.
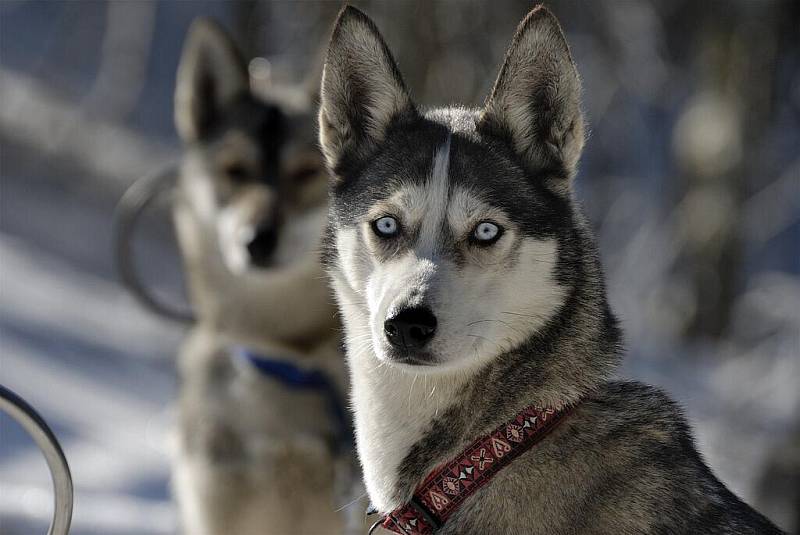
(408,424)
(288,306)
(393,411)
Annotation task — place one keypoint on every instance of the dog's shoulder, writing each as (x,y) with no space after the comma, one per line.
(639,433)
(639,446)
(634,427)
(635,406)
(622,461)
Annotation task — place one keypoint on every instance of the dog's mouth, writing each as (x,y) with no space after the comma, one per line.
(262,265)
(411,358)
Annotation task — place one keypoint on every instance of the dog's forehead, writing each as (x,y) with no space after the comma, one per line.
(480,175)
(259,117)
(237,144)
(440,197)
(248,124)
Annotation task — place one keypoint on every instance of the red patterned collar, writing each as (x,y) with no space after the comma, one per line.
(447,487)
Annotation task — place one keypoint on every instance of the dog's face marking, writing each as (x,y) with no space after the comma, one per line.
(446,225)
(231,181)
(456,249)
(235,180)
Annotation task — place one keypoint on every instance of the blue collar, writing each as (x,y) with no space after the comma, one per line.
(292,376)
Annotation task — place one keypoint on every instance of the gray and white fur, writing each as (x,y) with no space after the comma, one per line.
(253,455)
(470,287)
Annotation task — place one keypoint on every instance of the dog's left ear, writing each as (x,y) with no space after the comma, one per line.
(535,102)
(362,92)
(211,75)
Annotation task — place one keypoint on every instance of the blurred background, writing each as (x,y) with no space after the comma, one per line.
(691,179)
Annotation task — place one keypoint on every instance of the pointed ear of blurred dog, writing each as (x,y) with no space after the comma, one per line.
(211,75)
(362,92)
(535,102)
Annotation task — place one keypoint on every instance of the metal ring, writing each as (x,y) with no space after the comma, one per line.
(37,428)
(139,196)
(374,526)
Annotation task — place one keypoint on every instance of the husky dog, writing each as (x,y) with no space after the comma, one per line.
(470,288)
(254,454)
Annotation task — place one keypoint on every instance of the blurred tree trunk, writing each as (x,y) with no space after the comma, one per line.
(734,60)
(247,15)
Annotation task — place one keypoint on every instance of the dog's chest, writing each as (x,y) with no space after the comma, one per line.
(222,396)
(394,412)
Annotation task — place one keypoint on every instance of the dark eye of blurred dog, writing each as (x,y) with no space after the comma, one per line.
(486,233)
(386,227)
(304,174)
(237,172)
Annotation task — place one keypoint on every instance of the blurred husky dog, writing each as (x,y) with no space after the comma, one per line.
(470,289)
(254,455)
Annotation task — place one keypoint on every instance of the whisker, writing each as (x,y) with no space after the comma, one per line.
(432,391)
(410,391)
(487,339)
(345,506)
(536,316)
(498,321)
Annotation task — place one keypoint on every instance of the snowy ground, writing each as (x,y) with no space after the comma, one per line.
(95,365)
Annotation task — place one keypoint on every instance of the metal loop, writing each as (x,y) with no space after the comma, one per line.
(375,526)
(139,196)
(37,428)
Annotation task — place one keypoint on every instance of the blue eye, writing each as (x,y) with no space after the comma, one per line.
(386,227)
(486,233)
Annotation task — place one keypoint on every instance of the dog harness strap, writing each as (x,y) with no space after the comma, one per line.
(295,377)
(447,487)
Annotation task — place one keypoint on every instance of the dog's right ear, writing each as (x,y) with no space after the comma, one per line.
(535,103)
(211,75)
(362,92)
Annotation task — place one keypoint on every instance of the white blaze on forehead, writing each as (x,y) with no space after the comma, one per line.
(435,200)
(441,165)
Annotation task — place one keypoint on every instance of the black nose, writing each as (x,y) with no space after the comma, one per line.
(411,328)
(263,245)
